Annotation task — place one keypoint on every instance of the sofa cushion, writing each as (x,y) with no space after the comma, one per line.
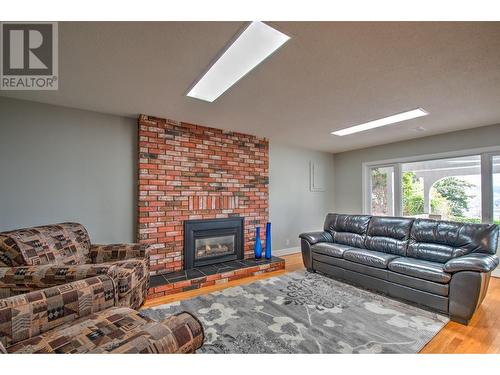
(27,315)
(384,274)
(25,279)
(348,265)
(422,269)
(347,229)
(369,257)
(65,243)
(118,251)
(332,249)
(131,278)
(388,234)
(418,284)
(118,330)
(440,241)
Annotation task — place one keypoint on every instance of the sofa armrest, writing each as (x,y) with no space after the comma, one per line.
(25,279)
(28,315)
(185,322)
(315,237)
(177,334)
(472,262)
(309,239)
(112,252)
(131,277)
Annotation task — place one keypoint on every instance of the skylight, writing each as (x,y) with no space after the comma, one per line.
(403,116)
(257,42)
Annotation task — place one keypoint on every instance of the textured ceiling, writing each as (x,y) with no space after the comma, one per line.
(330,75)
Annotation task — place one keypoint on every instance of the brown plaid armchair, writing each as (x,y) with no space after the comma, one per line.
(61,294)
(41,257)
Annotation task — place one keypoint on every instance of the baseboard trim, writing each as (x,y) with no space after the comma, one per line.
(290,250)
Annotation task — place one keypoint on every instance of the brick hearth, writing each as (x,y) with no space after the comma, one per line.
(188,172)
(182,281)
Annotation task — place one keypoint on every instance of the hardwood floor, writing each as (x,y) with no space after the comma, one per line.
(482,335)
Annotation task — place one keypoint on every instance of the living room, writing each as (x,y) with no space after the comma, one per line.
(228,186)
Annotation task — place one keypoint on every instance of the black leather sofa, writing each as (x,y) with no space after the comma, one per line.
(445,266)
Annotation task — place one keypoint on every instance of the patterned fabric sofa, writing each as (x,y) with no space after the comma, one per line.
(61,294)
(81,317)
(46,256)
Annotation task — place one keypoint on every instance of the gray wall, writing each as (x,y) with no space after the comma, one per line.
(293,208)
(49,157)
(59,164)
(348,165)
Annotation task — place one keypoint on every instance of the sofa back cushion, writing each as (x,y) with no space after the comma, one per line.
(439,241)
(65,244)
(388,234)
(347,229)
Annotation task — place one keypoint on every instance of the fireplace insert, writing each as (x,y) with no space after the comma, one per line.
(211,241)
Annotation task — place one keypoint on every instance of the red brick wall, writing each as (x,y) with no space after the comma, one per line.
(193,172)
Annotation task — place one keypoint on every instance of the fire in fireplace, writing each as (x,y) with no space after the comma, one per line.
(214,246)
(212,241)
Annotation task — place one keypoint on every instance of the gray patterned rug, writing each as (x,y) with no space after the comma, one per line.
(303,312)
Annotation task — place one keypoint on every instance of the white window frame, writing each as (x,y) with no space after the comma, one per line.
(367,195)
(487,180)
(486,154)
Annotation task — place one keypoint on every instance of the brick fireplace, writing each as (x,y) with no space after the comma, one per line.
(190,172)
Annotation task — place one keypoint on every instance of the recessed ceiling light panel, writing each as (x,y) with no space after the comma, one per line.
(403,116)
(257,42)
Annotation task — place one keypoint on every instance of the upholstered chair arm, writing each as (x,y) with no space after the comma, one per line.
(28,315)
(180,343)
(132,281)
(472,262)
(177,334)
(109,253)
(315,237)
(25,279)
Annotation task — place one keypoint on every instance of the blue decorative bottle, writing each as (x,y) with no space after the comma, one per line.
(268,241)
(258,244)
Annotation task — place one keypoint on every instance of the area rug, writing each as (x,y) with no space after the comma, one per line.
(303,312)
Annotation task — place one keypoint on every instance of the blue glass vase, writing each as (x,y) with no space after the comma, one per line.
(258,244)
(268,241)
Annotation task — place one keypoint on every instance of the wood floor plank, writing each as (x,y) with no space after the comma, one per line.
(482,335)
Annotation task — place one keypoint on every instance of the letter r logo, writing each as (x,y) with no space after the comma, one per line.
(27,49)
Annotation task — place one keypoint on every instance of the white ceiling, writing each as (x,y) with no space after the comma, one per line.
(329,76)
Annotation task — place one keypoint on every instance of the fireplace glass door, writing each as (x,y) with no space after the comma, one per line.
(212,241)
(214,246)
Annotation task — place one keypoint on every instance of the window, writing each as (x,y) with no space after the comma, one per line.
(382,191)
(496,188)
(464,188)
(444,189)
